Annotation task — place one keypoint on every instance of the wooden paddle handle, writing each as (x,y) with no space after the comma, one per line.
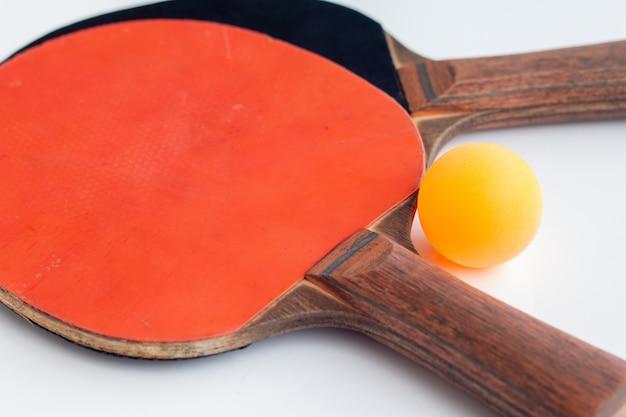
(560,85)
(512,362)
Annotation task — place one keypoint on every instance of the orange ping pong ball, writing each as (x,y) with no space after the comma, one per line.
(480,205)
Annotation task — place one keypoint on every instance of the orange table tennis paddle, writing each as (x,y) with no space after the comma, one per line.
(175,189)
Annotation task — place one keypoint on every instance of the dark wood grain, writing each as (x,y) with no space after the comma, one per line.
(512,362)
(375,282)
(453,96)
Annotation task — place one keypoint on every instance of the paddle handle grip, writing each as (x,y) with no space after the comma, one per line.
(579,83)
(512,362)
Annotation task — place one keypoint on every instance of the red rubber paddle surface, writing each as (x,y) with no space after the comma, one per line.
(167,180)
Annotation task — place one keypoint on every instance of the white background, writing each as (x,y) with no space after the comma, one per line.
(572,276)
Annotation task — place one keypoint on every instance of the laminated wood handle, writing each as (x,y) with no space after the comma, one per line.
(512,362)
(450,97)
(589,75)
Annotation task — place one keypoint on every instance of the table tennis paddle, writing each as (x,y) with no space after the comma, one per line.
(136,174)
